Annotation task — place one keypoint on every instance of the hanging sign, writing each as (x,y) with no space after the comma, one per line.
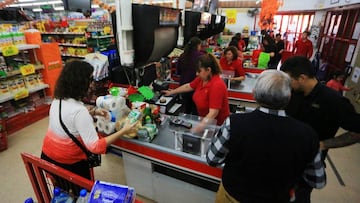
(21,94)
(10,50)
(27,69)
(231,16)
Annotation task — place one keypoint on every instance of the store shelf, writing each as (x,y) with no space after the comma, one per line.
(31,90)
(71,55)
(22,47)
(102,37)
(17,72)
(72,45)
(63,33)
(22,120)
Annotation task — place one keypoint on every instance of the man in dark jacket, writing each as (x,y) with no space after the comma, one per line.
(265,152)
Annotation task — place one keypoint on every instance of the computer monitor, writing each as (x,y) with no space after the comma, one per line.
(82,6)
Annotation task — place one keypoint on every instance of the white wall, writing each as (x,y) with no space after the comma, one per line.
(327,3)
(242,20)
(297,5)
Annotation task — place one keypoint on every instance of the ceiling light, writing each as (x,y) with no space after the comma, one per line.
(60,8)
(21,1)
(95,6)
(37,9)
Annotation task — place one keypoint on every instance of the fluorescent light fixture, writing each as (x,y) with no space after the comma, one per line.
(37,9)
(36,3)
(60,8)
(95,6)
(22,1)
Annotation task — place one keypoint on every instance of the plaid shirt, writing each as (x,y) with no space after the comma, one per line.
(314,173)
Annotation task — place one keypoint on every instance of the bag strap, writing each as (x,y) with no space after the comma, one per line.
(77,142)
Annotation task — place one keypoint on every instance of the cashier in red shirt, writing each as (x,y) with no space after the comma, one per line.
(230,61)
(210,92)
(303,46)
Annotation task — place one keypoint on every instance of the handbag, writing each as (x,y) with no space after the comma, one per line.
(92,159)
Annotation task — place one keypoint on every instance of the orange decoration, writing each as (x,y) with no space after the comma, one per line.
(3,4)
(269,9)
(104,5)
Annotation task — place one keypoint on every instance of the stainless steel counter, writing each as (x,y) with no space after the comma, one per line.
(245,86)
(158,166)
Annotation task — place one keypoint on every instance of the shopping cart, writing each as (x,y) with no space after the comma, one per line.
(42,175)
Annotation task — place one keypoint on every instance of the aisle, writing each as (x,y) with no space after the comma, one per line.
(16,187)
(15,184)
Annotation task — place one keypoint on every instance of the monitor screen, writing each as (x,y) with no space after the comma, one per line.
(82,6)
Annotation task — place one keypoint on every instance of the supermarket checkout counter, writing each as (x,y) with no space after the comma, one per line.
(171,168)
(242,91)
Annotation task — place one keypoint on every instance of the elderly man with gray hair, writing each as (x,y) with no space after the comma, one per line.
(264,152)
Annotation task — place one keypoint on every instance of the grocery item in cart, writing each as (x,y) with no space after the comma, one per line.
(61,197)
(104,192)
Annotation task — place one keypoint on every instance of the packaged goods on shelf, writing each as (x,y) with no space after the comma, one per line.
(4,88)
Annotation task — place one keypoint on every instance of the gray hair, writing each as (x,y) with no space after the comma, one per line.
(272,89)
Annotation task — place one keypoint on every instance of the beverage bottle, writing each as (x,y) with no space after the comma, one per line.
(61,197)
(83,196)
(29,200)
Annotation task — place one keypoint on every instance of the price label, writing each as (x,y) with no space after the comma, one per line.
(10,50)
(27,69)
(107,30)
(21,94)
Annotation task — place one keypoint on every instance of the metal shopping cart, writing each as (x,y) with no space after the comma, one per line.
(43,175)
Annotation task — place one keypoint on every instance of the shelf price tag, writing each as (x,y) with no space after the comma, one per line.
(107,30)
(21,94)
(27,69)
(10,50)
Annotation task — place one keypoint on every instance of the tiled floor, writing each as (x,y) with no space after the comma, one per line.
(16,187)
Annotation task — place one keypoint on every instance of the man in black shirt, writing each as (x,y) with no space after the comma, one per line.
(320,107)
(280,46)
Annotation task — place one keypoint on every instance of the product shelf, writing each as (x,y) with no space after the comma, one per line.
(72,55)
(63,33)
(22,120)
(22,47)
(72,45)
(17,72)
(102,37)
(31,90)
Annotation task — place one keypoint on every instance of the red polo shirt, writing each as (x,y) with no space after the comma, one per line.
(235,65)
(211,95)
(303,48)
(336,85)
(241,44)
